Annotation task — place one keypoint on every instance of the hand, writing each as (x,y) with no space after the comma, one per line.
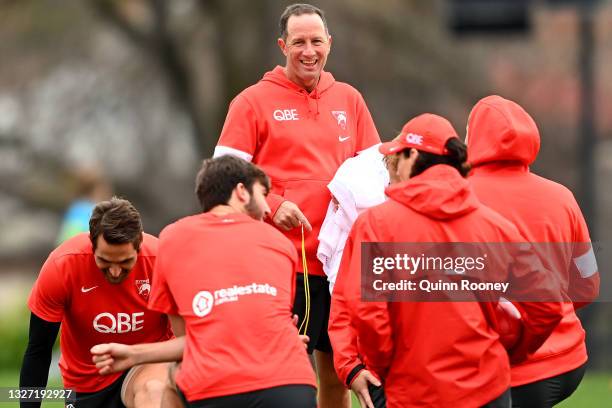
(289,216)
(305,339)
(113,357)
(360,387)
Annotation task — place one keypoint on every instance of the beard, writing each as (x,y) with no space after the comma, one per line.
(254,210)
(115,280)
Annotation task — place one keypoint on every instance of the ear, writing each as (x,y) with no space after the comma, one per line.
(329,39)
(414,153)
(282,45)
(242,194)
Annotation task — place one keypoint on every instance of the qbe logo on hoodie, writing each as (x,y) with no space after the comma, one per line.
(204,301)
(286,114)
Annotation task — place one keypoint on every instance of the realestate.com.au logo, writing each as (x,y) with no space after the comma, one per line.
(204,300)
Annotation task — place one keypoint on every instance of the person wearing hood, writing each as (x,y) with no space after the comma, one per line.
(435,354)
(503,141)
(299,125)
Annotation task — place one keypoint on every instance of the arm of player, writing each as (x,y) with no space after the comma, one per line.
(114,357)
(539,317)
(342,334)
(37,357)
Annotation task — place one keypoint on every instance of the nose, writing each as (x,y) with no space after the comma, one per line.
(309,49)
(115,271)
(266,209)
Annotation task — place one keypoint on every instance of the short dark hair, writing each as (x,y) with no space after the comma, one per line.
(297,10)
(456,157)
(218,177)
(117,221)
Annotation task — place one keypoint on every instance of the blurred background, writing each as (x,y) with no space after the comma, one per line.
(127,97)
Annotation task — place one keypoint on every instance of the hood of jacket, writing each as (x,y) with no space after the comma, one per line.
(440,192)
(278,77)
(501,130)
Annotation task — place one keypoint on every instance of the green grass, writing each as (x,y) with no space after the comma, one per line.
(594,391)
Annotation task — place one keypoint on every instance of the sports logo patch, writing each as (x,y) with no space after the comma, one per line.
(341,118)
(143,287)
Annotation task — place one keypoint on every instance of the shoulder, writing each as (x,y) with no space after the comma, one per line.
(177,228)
(75,247)
(554,190)
(149,245)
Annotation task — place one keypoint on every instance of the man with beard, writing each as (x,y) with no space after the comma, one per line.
(96,286)
(226,281)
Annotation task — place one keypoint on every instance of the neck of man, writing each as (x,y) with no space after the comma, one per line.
(233,206)
(307,86)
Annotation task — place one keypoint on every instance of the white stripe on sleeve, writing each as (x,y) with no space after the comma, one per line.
(223,150)
(586,264)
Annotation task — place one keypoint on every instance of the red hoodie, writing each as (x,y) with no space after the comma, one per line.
(299,139)
(436,354)
(503,140)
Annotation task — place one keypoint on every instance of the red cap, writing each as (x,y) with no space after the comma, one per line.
(426,132)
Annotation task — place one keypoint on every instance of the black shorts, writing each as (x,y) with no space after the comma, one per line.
(548,392)
(320,302)
(503,401)
(295,396)
(109,397)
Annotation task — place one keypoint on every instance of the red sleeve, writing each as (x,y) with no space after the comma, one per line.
(240,128)
(161,299)
(274,201)
(584,272)
(367,135)
(370,319)
(49,294)
(539,318)
(342,335)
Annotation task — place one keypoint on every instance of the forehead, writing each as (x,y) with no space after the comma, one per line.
(305,25)
(114,251)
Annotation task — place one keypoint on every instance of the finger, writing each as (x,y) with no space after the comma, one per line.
(372,379)
(285,224)
(362,402)
(100,349)
(105,370)
(304,221)
(294,220)
(365,395)
(100,358)
(295,320)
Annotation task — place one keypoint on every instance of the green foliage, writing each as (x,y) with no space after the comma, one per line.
(14,324)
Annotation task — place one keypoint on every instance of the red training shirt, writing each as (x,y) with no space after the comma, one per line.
(231,279)
(72,290)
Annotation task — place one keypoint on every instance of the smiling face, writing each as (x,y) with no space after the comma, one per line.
(306,47)
(115,260)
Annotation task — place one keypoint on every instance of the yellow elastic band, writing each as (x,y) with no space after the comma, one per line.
(304,324)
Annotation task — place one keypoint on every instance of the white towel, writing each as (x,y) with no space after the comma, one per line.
(359,183)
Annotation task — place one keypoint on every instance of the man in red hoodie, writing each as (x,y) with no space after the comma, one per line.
(503,140)
(298,124)
(436,354)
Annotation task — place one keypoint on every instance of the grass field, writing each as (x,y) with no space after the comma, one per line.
(595,391)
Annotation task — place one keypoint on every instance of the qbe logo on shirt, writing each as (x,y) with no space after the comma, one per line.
(286,114)
(204,301)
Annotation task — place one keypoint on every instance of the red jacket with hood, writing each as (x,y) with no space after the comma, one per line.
(503,140)
(435,354)
(299,139)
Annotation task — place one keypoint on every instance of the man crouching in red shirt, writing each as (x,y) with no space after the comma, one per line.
(96,286)
(226,281)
